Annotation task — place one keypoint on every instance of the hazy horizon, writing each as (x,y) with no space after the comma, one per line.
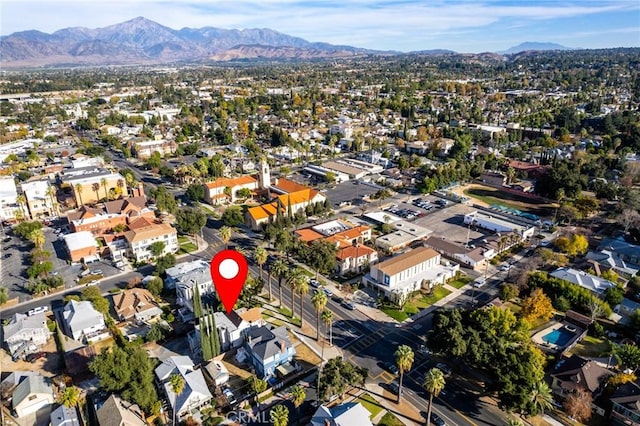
(401,25)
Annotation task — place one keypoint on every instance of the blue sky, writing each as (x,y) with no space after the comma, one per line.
(403,25)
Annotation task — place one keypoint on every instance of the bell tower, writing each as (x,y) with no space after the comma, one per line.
(264,177)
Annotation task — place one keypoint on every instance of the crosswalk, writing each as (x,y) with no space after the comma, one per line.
(363,342)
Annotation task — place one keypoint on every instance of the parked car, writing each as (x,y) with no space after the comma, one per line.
(92,282)
(394,387)
(231,399)
(337,299)
(7,255)
(437,420)
(349,305)
(391,367)
(34,357)
(328,292)
(98,272)
(37,310)
(505,267)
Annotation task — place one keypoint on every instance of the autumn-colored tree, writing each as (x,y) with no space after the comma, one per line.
(578,405)
(537,305)
(575,245)
(620,379)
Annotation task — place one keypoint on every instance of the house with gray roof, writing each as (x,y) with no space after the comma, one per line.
(117,412)
(612,260)
(577,372)
(347,414)
(185,277)
(64,416)
(82,321)
(25,334)
(626,251)
(195,394)
(594,284)
(32,393)
(268,348)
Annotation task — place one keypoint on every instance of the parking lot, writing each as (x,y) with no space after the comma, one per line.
(350,192)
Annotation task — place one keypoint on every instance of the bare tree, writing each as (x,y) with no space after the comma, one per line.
(578,405)
(595,308)
(629,218)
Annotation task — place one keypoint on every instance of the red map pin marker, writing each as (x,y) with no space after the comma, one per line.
(229,271)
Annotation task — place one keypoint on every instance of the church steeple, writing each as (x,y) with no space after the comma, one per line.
(264,177)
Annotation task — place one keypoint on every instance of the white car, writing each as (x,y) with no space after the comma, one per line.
(38,310)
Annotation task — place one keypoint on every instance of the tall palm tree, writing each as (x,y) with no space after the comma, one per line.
(404,361)
(295,278)
(303,289)
(327,319)
(176,382)
(21,199)
(120,185)
(79,194)
(70,397)
(280,270)
(279,415)
(261,256)
(103,182)
(225,235)
(434,383)
(51,192)
(541,396)
(297,396)
(96,187)
(319,300)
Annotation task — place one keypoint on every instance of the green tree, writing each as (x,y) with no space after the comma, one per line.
(338,376)
(37,238)
(225,235)
(404,360)
(319,301)
(165,262)
(3,295)
(155,334)
(190,221)
(434,384)
(99,302)
(127,371)
(280,269)
(176,384)
(297,395)
(165,200)
(541,397)
(155,286)
(614,295)
(70,396)
(508,292)
(233,216)
(279,415)
(195,192)
(628,356)
(156,248)
(327,319)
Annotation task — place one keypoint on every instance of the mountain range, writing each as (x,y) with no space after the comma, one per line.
(145,42)
(533,45)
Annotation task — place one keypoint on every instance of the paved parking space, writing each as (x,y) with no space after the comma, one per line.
(448,222)
(350,192)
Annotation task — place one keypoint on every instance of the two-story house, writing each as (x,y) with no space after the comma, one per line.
(225,190)
(184,278)
(83,322)
(40,198)
(268,348)
(136,304)
(25,334)
(195,394)
(140,240)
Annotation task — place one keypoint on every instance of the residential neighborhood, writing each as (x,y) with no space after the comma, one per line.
(453,247)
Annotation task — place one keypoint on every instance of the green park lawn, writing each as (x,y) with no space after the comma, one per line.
(370,404)
(415,305)
(390,420)
(460,282)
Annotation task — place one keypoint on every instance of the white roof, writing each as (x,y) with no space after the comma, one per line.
(381,217)
(347,414)
(583,279)
(36,189)
(81,315)
(80,240)
(195,387)
(8,188)
(21,322)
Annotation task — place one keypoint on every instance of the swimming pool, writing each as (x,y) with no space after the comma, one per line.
(558,337)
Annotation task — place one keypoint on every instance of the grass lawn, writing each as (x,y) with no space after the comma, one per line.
(188,247)
(592,347)
(396,314)
(183,240)
(491,196)
(460,282)
(370,404)
(438,293)
(390,420)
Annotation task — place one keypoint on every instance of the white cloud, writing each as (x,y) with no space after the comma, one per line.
(387,24)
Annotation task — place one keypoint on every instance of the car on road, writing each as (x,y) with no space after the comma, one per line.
(98,272)
(37,310)
(479,282)
(444,368)
(437,420)
(349,305)
(328,292)
(505,267)
(424,350)
(92,282)
(394,388)
(314,283)
(391,367)
(337,299)
(7,255)
(231,399)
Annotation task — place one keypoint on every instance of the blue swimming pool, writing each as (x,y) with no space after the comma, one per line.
(558,337)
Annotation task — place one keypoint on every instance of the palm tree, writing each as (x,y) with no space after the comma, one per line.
(434,383)
(327,319)
(103,182)
(79,194)
(280,270)
(261,256)
(51,193)
(21,199)
(225,235)
(514,422)
(70,397)
(176,383)
(96,187)
(295,278)
(303,289)
(404,361)
(120,185)
(297,396)
(319,300)
(279,415)
(37,238)
(541,396)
